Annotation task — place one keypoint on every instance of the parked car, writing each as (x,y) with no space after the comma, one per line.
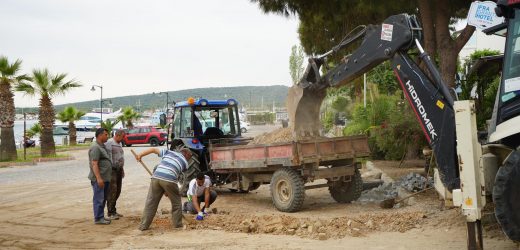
(244,126)
(144,135)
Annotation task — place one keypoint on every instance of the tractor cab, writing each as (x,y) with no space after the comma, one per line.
(197,122)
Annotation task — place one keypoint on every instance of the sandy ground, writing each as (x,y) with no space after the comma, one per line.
(49,206)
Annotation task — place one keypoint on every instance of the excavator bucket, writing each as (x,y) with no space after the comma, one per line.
(303,107)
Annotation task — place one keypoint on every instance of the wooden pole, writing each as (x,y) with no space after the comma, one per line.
(142,163)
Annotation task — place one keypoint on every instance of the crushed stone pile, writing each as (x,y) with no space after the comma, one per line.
(320,229)
(411,182)
(414,182)
(383,192)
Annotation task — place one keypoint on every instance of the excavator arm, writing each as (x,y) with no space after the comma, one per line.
(426,93)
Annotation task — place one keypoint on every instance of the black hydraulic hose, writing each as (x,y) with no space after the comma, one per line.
(436,75)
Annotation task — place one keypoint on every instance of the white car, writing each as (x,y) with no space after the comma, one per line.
(244,126)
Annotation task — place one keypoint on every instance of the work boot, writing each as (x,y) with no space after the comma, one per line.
(119,215)
(113,217)
(102,221)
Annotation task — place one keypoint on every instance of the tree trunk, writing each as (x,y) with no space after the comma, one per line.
(47,115)
(72,134)
(8,146)
(427,20)
(446,47)
(7,140)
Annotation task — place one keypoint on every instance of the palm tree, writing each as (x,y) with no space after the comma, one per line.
(34,130)
(70,115)
(109,125)
(46,86)
(127,116)
(8,76)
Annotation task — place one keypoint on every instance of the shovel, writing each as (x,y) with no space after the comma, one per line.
(186,219)
(390,203)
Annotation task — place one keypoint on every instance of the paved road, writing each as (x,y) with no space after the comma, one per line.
(77,170)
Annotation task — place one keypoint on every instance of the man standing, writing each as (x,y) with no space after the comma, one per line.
(115,149)
(198,191)
(164,180)
(100,174)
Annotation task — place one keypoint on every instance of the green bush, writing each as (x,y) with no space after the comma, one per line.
(391,126)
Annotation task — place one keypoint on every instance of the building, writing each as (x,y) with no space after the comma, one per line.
(481,41)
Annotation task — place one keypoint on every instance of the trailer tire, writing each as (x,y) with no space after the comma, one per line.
(346,192)
(506,196)
(287,190)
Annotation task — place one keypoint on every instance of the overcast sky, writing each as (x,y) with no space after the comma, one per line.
(136,47)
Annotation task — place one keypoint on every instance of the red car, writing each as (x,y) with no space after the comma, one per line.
(144,135)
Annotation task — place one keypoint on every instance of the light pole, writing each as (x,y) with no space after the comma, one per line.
(100,101)
(167,101)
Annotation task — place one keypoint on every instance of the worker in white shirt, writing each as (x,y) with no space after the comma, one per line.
(199,190)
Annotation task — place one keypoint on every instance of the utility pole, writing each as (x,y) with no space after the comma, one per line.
(138,105)
(24,136)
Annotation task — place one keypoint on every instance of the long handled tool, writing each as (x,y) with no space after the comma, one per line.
(186,219)
(389,203)
(142,163)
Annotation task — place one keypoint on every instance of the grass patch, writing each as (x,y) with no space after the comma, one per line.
(32,157)
(34,153)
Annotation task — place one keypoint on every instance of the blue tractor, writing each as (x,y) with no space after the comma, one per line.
(199,123)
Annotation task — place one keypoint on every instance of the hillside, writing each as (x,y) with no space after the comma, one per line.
(244,95)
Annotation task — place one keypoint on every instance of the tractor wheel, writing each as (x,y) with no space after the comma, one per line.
(506,196)
(154,142)
(346,191)
(287,190)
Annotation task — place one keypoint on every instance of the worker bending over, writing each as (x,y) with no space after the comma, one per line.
(198,191)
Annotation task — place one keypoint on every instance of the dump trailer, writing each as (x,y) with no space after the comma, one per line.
(290,168)
(211,129)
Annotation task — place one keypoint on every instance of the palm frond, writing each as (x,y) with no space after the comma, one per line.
(23,78)
(26,89)
(41,81)
(59,86)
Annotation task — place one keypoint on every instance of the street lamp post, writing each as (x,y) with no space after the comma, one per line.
(166,116)
(100,101)
(167,101)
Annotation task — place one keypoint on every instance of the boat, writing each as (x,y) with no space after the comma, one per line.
(92,119)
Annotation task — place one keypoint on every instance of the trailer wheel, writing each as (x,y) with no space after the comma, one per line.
(346,192)
(287,190)
(506,196)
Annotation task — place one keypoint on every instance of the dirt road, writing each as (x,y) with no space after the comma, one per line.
(49,206)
